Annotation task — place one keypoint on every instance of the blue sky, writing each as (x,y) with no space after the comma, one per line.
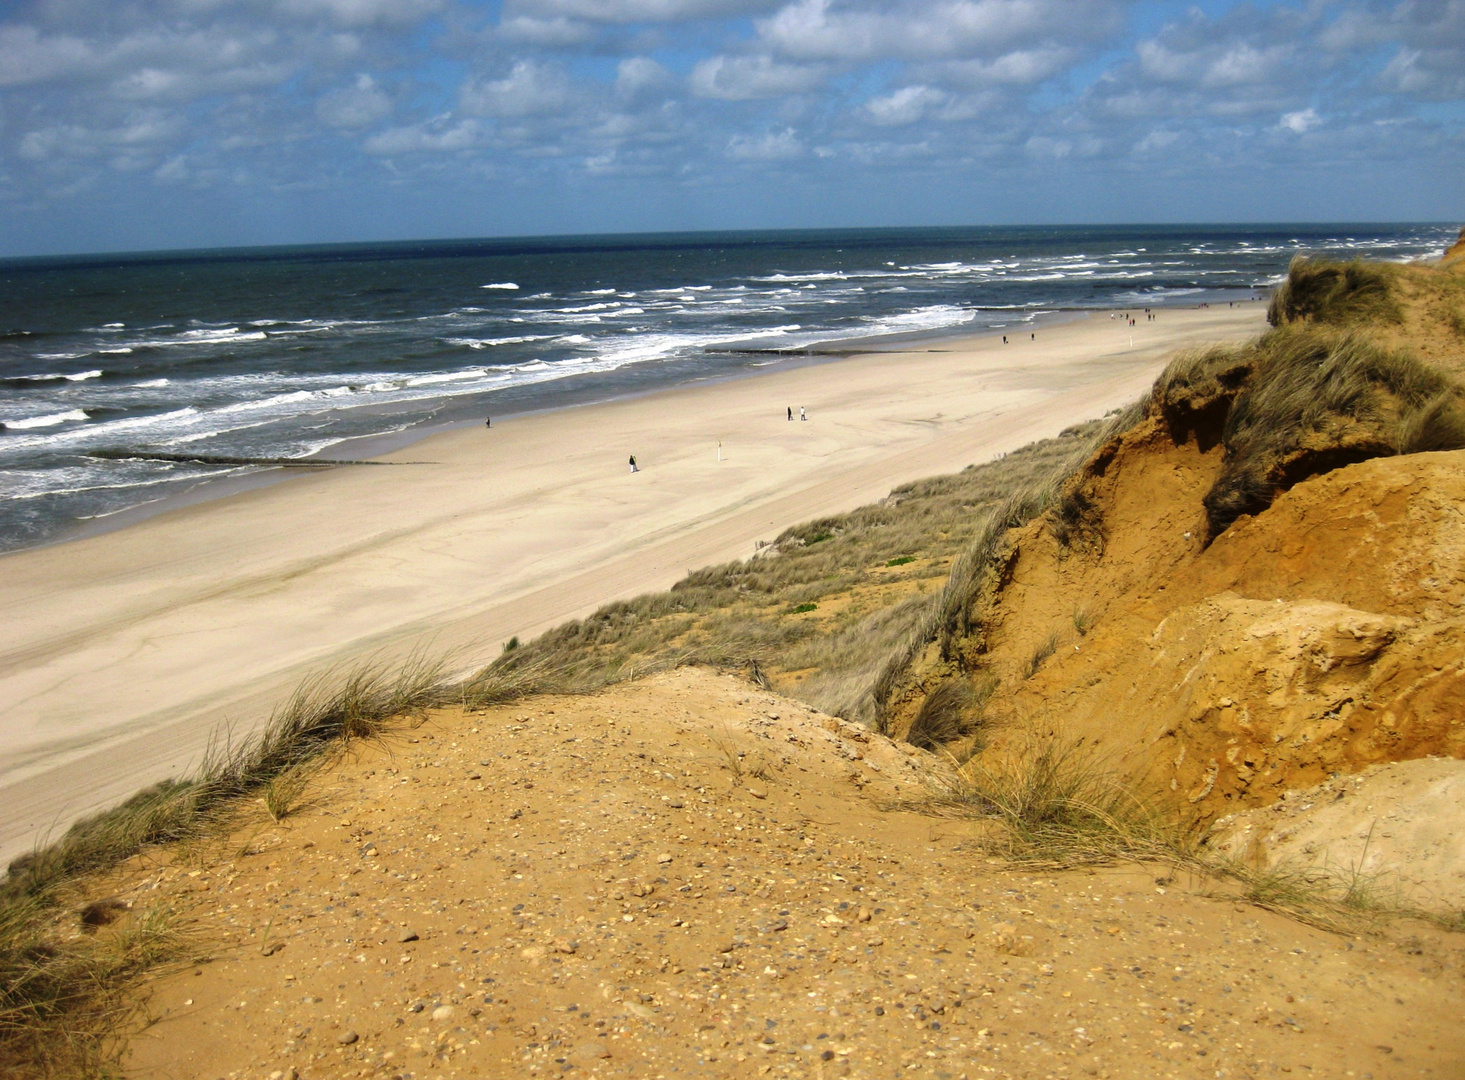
(143,124)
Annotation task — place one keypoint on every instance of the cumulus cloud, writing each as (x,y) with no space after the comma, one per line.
(363,102)
(633,11)
(827,30)
(739,78)
(529,89)
(772,146)
(904,106)
(1301,121)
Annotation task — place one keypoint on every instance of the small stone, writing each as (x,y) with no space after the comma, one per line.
(442,1012)
(590,1051)
(272,948)
(406,936)
(564,945)
(727,947)
(775,926)
(516,815)
(664,858)
(864,915)
(676,804)
(291,1074)
(757,792)
(347,1037)
(475,776)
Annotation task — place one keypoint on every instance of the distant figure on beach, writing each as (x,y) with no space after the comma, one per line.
(633,463)
(488,421)
(1033,337)
(790,412)
(803,415)
(1004,339)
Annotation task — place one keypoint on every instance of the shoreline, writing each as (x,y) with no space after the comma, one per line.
(205,489)
(125,670)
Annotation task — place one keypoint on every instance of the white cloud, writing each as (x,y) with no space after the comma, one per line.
(904,106)
(1021,67)
(637,76)
(26,56)
(827,30)
(530,89)
(772,146)
(362,12)
(557,32)
(633,11)
(360,104)
(439,135)
(1303,120)
(739,78)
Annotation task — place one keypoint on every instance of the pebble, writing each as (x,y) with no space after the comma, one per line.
(663,858)
(757,792)
(590,1051)
(406,936)
(676,804)
(442,1012)
(347,1037)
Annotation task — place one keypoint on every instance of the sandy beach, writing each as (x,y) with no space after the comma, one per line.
(126,652)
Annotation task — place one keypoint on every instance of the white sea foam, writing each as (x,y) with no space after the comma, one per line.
(150,384)
(46,420)
(507,286)
(58,376)
(489,343)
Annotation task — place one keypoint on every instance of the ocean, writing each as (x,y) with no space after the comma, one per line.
(291,351)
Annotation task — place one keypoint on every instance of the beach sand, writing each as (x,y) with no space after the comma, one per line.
(128,652)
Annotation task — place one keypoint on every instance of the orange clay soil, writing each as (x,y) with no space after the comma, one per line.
(690,877)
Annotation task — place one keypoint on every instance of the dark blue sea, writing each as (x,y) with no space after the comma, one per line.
(290,351)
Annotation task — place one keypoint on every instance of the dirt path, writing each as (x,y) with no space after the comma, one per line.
(586,886)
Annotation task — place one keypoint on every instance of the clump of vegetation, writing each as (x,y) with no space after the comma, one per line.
(950,712)
(1317,400)
(1335,293)
(64,995)
(1054,803)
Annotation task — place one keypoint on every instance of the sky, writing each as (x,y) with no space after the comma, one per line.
(150,124)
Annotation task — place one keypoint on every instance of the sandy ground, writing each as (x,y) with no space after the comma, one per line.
(689,877)
(124,653)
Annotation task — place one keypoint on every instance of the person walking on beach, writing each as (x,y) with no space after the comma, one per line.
(803,415)
(790,412)
(488,421)
(633,463)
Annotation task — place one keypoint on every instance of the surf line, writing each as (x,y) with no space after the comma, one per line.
(219,459)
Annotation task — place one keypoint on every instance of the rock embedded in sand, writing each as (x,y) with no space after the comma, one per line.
(588,1052)
(406,936)
(443,1012)
(347,1037)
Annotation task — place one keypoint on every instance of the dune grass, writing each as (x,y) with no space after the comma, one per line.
(1317,399)
(829,611)
(67,985)
(1335,293)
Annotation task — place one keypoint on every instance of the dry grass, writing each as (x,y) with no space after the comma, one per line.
(1054,804)
(1335,293)
(65,995)
(860,573)
(1318,399)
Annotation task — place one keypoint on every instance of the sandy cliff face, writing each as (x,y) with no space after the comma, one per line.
(1318,636)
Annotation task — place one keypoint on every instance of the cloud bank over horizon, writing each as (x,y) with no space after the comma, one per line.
(129,124)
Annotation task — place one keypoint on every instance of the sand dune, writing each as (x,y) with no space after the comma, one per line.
(126,651)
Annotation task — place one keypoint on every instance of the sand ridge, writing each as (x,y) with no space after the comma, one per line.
(689,876)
